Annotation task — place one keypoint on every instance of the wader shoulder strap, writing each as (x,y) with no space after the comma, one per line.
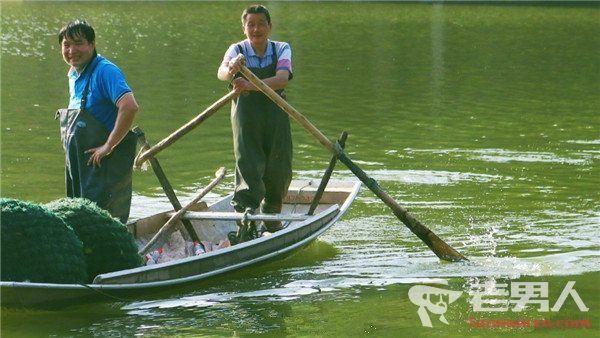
(86,91)
(239,74)
(240,47)
(69,117)
(273,56)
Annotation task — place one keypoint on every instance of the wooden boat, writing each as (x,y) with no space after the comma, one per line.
(212,224)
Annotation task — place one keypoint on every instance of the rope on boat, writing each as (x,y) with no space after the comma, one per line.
(294,209)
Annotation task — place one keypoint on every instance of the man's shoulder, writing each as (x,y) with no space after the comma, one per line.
(107,67)
(104,62)
(280,43)
(281,47)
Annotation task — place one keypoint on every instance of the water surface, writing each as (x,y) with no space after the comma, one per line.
(481,119)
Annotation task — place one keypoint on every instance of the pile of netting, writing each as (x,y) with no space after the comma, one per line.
(65,241)
(38,246)
(107,245)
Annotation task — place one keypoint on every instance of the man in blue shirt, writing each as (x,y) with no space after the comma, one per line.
(261,130)
(95,129)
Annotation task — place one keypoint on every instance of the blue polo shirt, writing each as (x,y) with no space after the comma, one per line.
(107,87)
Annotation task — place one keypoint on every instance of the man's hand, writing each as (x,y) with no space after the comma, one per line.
(235,64)
(98,154)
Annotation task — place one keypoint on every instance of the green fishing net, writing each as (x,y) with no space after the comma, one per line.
(108,246)
(37,246)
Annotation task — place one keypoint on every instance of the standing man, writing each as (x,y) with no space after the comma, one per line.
(261,130)
(95,129)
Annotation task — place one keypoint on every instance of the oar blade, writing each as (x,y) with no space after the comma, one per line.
(444,251)
(440,248)
(437,245)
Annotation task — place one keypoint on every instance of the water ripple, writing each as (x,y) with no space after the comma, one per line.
(505,156)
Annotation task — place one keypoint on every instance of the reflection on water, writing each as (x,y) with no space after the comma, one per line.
(505,155)
(481,119)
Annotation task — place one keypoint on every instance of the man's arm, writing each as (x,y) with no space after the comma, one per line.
(128,109)
(223,73)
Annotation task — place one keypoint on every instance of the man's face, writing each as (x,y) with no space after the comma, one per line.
(257,28)
(77,52)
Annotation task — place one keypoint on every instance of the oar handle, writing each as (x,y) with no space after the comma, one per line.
(145,155)
(436,244)
(219,175)
(332,147)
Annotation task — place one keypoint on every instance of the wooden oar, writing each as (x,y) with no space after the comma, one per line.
(327,175)
(437,245)
(164,182)
(147,154)
(219,175)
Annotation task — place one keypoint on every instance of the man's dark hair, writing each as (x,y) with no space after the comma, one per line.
(256,9)
(77,29)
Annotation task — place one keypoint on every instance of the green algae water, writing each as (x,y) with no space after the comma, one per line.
(482,119)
